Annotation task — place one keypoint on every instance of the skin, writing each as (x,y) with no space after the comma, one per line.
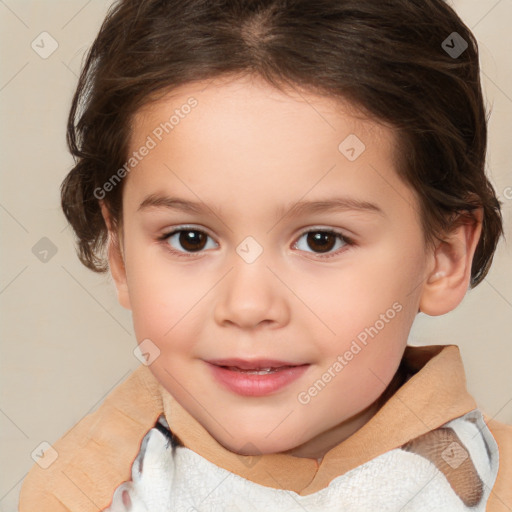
(248,152)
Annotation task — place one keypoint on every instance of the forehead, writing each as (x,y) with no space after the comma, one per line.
(243,141)
(251,102)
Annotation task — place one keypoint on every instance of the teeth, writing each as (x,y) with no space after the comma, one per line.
(262,371)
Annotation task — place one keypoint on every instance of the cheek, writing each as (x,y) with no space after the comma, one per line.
(165,301)
(376,305)
(393,270)
(362,367)
(373,284)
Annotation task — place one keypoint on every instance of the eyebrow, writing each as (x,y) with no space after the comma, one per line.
(296,209)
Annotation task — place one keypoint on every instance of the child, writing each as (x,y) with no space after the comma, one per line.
(328,158)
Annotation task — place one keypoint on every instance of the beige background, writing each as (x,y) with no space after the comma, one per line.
(65,341)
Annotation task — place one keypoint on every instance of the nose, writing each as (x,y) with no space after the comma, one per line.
(251,295)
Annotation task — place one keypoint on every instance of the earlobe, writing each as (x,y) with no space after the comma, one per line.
(448,281)
(116,260)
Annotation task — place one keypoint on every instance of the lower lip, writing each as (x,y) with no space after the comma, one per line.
(247,384)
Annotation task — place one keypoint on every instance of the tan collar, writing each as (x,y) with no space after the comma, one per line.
(430,398)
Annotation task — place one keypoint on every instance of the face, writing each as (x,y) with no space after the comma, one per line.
(273,229)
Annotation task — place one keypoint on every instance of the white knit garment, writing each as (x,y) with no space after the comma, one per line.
(176,479)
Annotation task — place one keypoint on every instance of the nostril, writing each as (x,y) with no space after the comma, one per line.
(127,502)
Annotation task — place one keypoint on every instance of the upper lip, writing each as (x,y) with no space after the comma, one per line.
(253,364)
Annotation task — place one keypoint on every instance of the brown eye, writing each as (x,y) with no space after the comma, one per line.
(183,241)
(322,241)
(192,240)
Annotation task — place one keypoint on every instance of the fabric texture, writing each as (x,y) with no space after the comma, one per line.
(97,455)
(451,468)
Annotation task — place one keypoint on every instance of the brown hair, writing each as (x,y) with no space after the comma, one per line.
(391,60)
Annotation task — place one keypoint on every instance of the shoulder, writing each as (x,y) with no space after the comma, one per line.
(152,474)
(96,454)
(500,499)
(475,455)
(466,453)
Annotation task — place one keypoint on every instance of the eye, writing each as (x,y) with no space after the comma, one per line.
(324,241)
(190,239)
(194,240)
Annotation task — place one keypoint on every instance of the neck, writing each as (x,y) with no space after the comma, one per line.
(318,446)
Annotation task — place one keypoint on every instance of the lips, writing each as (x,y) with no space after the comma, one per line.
(256,377)
(253,365)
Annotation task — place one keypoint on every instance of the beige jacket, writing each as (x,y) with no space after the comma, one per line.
(95,456)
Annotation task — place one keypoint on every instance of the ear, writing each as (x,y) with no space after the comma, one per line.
(116,260)
(448,281)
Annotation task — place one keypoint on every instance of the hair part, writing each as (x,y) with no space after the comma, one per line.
(384,58)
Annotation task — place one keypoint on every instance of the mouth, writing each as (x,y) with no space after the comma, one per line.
(256,377)
(263,371)
(261,366)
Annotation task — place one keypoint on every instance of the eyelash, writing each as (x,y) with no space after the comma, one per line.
(347,241)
